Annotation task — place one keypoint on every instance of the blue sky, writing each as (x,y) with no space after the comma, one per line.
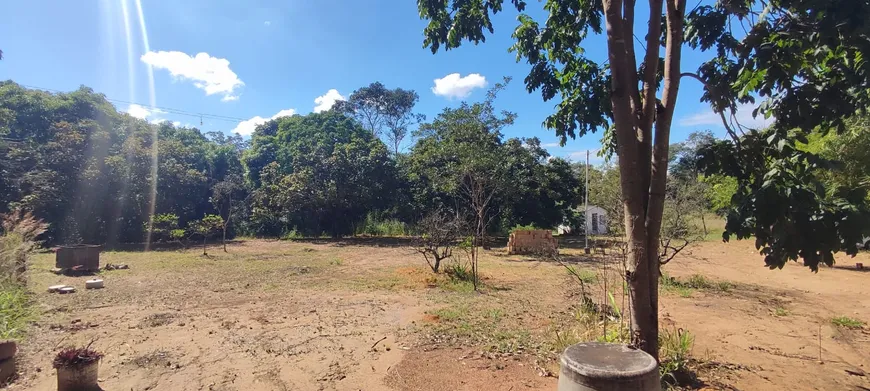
(256,59)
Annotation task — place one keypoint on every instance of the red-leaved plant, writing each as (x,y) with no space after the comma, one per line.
(73,357)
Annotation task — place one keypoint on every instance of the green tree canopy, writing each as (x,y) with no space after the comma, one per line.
(327,172)
(86,169)
(381,110)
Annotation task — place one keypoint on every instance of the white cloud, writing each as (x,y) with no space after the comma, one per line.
(710,118)
(284,113)
(453,86)
(143,112)
(246,128)
(268,23)
(138,111)
(211,74)
(325,101)
(176,124)
(580,156)
(550,145)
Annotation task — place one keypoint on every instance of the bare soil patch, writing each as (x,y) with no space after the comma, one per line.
(361,314)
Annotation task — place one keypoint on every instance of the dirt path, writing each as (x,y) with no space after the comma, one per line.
(781,349)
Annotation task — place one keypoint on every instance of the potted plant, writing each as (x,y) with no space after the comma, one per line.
(77,369)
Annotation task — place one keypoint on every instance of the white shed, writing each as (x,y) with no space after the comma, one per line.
(596,221)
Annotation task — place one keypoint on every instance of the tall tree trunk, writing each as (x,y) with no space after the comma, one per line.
(224,239)
(204,237)
(659,175)
(227,223)
(634,179)
(704,224)
(475,243)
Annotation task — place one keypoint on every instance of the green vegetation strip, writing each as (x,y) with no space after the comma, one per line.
(15,310)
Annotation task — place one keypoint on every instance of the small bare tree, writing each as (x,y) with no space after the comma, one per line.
(228,198)
(440,231)
(684,207)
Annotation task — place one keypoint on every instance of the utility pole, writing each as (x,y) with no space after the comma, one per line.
(586,207)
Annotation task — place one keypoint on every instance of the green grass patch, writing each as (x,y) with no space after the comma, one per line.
(15,310)
(675,349)
(376,226)
(779,311)
(695,282)
(585,276)
(847,322)
(451,313)
(469,320)
(453,285)
(672,285)
(715,227)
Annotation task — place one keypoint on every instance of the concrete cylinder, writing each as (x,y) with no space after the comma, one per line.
(595,366)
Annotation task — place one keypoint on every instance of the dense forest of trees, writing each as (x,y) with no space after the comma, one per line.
(87,170)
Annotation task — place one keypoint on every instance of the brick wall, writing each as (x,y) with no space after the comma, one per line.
(535,242)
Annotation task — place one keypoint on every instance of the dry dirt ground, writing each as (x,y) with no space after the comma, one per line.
(368,315)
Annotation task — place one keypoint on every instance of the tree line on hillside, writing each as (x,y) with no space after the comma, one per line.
(97,175)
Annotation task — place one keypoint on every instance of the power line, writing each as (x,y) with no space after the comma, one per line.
(167,110)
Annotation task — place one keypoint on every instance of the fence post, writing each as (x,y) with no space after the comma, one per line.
(595,366)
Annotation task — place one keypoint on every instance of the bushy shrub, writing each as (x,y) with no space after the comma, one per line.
(376,226)
(165,228)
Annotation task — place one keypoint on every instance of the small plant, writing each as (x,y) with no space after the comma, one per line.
(209,226)
(336,262)
(15,310)
(779,311)
(520,227)
(697,281)
(671,284)
(724,286)
(847,322)
(564,338)
(459,272)
(292,234)
(164,227)
(77,368)
(694,282)
(675,347)
(374,225)
(73,357)
(616,335)
(583,275)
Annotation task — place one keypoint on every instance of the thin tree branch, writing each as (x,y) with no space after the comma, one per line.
(674,250)
(628,25)
(725,123)
(639,42)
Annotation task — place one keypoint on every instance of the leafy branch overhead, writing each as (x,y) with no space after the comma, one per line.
(804,58)
(802,61)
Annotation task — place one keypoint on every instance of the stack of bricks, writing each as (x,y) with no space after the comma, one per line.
(533,242)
